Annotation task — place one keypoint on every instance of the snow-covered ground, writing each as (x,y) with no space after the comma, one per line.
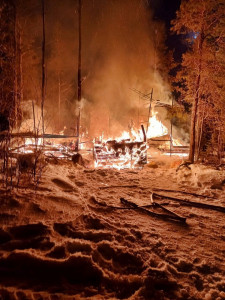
(64,241)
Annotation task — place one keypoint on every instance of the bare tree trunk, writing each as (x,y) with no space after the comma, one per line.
(59,72)
(195,105)
(19,70)
(15,55)
(171,128)
(79,55)
(193,123)
(43,66)
(79,75)
(220,145)
(59,99)
(200,131)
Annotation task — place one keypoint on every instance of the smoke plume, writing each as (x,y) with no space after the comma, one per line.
(120,52)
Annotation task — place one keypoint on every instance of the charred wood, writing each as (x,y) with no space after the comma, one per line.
(183,192)
(118,186)
(170,217)
(192,203)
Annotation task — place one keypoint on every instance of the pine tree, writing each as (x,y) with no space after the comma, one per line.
(202,69)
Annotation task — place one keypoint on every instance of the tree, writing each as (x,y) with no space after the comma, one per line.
(79,72)
(202,25)
(43,66)
(7,61)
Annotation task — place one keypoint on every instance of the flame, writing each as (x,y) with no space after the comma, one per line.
(128,150)
(125,156)
(131,150)
(30,141)
(125,135)
(176,142)
(156,128)
(132,136)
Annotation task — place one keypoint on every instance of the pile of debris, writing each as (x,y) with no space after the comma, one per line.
(121,154)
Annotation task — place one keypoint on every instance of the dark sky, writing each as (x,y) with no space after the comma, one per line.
(165,10)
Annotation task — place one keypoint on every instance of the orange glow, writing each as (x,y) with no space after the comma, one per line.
(156,128)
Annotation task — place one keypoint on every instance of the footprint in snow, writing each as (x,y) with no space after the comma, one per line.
(63,184)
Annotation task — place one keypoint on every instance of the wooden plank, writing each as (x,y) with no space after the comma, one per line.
(118,186)
(182,192)
(192,203)
(169,217)
(182,219)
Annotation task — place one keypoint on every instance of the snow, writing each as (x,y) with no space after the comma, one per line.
(62,240)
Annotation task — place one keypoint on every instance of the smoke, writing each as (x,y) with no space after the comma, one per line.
(121,49)
(122,55)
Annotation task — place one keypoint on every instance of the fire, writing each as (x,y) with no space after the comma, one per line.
(176,142)
(125,135)
(128,150)
(30,141)
(120,155)
(131,136)
(156,128)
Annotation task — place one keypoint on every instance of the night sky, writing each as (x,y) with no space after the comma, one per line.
(165,11)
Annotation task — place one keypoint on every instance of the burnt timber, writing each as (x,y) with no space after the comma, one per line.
(113,151)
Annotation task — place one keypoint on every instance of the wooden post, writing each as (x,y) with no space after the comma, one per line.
(149,111)
(143,131)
